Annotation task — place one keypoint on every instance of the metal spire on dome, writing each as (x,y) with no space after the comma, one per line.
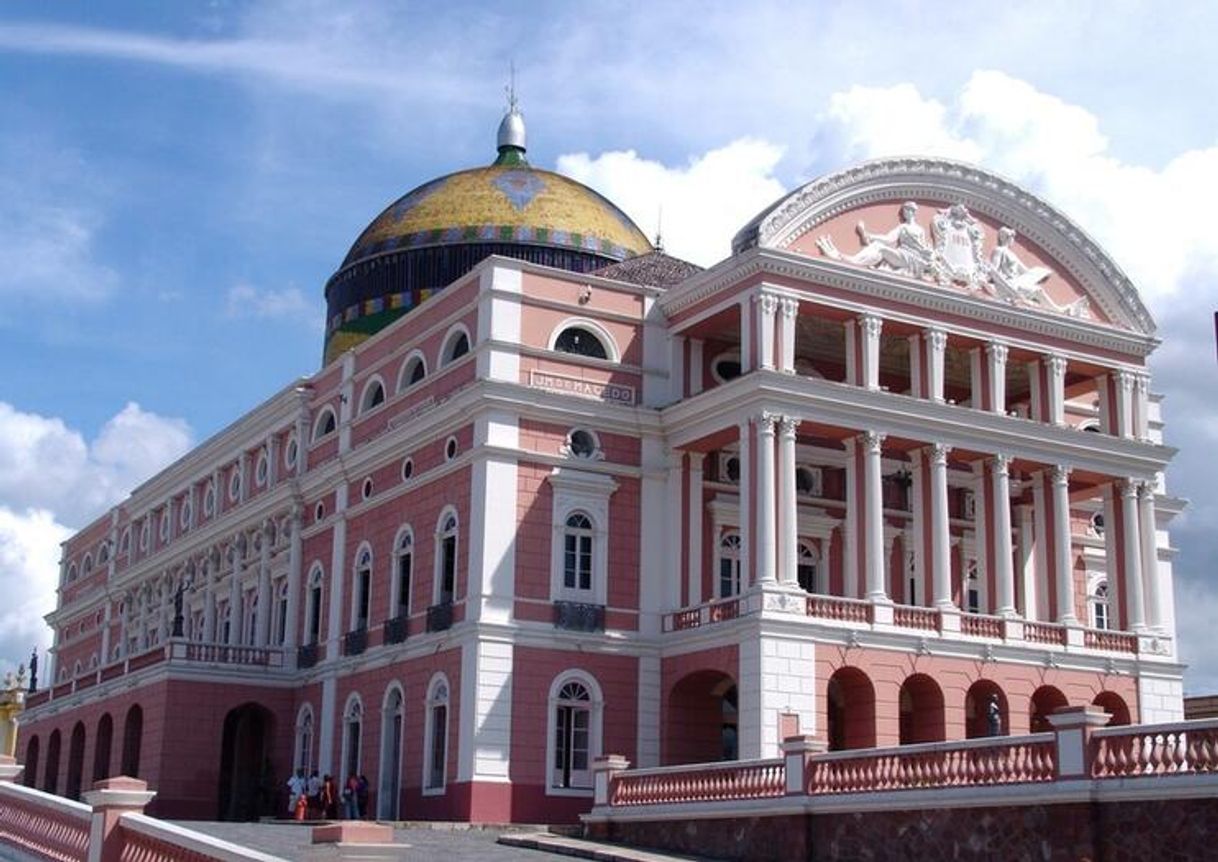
(511,137)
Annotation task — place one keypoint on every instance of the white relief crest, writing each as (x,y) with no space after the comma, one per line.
(958,242)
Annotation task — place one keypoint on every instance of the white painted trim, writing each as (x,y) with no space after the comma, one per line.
(607,341)
(596,708)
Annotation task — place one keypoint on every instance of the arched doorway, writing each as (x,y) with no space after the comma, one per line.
(702,722)
(76,761)
(850,707)
(1045,700)
(246,782)
(50,779)
(30,776)
(390,766)
(133,737)
(1113,704)
(977,710)
(921,706)
(101,747)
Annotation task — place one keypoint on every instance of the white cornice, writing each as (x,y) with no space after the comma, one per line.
(874,284)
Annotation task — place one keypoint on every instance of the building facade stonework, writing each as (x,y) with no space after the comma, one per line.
(895,459)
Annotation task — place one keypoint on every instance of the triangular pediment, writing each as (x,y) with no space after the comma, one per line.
(968,232)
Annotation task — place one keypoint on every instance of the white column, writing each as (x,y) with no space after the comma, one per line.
(766,549)
(788,524)
(746,335)
(676,368)
(696,512)
(786,333)
(236,556)
(764,307)
(1056,369)
(746,507)
(850,534)
(1124,402)
(918,512)
(1043,577)
(873,494)
(695,366)
(915,365)
(936,348)
(850,330)
(1104,402)
(262,625)
(105,638)
(996,366)
(976,395)
(870,328)
(1036,408)
(295,547)
(210,566)
(1027,563)
(1112,553)
(1132,554)
(1004,553)
(1063,568)
(338,575)
(1150,554)
(1141,406)
(941,538)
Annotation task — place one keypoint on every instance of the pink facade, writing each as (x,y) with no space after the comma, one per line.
(829,487)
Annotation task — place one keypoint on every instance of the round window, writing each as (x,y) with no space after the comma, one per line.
(319,513)
(262,470)
(209,501)
(290,453)
(407,469)
(184,517)
(726,367)
(581,443)
(450,448)
(367,489)
(234,484)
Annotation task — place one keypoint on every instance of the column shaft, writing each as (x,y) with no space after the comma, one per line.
(766,534)
(873,486)
(941,538)
(1132,555)
(788,524)
(1004,552)
(1063,556)
(1150,555)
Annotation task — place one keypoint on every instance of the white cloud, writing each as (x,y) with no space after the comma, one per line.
(29,568)
(47,251)
(247,301)
(45,465)
(704,202)
(52,482)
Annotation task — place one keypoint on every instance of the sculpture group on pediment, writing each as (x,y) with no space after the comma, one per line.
(954,255)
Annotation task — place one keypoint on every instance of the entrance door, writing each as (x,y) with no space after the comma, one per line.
(246,778)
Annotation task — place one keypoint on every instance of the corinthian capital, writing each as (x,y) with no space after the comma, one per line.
(938,452)
(1001,464)
(790,307)
(1056,365)
(937,339)
(787,426)
(767,302)
(871,325)
(1060,474)
(873,441)
(997,352)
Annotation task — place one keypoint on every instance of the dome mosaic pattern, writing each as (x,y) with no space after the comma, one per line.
(502,203)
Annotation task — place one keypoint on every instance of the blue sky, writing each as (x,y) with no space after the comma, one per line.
(177,181)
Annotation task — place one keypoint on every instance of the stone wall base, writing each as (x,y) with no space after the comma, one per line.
(1066,832)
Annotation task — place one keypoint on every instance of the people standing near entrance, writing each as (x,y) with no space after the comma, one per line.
(329,800)
(351,798)
(314,791)
(297,785)
(361,797)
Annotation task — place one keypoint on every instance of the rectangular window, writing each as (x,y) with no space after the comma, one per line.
(363,598)
(448,570)
(404,565)
(439,754)
(577,562)
(729,577)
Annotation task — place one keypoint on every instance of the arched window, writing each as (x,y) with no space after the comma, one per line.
(729,566)
(103,553)
(808,568)
(456,345)
(71,572)
(577,553)
(303,756)
(435,744)
(414,370)
(325,424)
(313,606)
(374,395)
(86,568)
(353,731)
(249,619)
(362,590)
(50,780)
(403,569)
(446,559)
(574,733)
(581,341)
(101,747)
(30,777)
(1099,606)
(124,543)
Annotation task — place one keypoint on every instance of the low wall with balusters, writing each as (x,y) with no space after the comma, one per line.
(1081,791)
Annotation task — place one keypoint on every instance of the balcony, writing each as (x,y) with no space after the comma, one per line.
(579,617)
(396,630)
(440,617)
(355,642)
(306,656)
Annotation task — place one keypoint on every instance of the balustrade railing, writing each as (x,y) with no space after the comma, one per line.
(717,611)
(396,630)
(1045,633)
(146,839)
(840,609)
(1006,760)
(706,782)
(42,825)
(1110,641)
(307,656)
(355,642)
(1165,749)
(912,617)
(213,653)
(981,626)
(440,617)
